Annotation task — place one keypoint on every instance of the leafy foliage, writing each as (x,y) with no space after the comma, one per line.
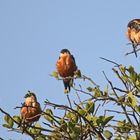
(91,118)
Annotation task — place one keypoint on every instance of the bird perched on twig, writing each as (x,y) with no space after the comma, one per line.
(31,110)
(66,68)
(133,33)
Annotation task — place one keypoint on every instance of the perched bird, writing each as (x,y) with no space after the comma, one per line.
(133,33)
(66,67)
(31,110)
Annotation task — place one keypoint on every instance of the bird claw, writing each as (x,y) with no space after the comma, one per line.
(66,91)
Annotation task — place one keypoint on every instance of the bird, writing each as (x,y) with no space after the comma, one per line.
(30,110)
(133,33)
(66,67)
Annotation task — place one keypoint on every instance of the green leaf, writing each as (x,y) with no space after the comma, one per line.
(49,115)
(17,119)
(82,112)
(9,121)
(77,129)
(63,124)
(125,78)
(133,77)
(133,74)
(118,138)
(90,107)
(6,126)
(133,101)
(6,118)
(73,135)
(72,117)
(137,108)
(137,83)
(90,89)
(124,127)
(131,69)
(38,126)
(132,138)
(107,119)
(122,68)
(121,100)
(98,93)
(71,125)
(35,130)
(94,120)
(103,120)
(55,74)
(99,120)
(78,73)
(106,91)
(107,134)
(89,117)
(41,138)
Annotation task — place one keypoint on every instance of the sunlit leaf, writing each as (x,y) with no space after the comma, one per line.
(90,89)
(49,115)
(55,74)
(107,119)
(73,135)
(17,119)
(131,69)
(106,91)
(82,112)
(90,107)
(122,68)
(107,134)
(6,118)
(78,73)
(132,137)
(41,138)
(73,117)
(133,101)
(125,78)
(6,126)
(89,117)
(63,124)
(9,121)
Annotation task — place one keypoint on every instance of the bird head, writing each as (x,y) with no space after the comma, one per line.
(64,52)
(30,97)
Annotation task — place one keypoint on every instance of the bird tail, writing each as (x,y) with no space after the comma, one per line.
(67,84)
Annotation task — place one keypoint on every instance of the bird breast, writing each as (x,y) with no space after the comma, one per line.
(31,113)
(133,35)
(66,66)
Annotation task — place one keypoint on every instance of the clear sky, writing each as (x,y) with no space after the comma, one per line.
(33,32)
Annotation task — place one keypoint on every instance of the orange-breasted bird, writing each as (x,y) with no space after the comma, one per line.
(31,110)
(133,33)
(66,67)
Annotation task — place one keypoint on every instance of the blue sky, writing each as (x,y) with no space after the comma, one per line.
(32,33)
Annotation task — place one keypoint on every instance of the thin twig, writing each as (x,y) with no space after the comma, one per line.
(132,52)
(69,101)
(110,61)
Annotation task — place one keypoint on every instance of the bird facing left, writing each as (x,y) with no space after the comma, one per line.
(133,33)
